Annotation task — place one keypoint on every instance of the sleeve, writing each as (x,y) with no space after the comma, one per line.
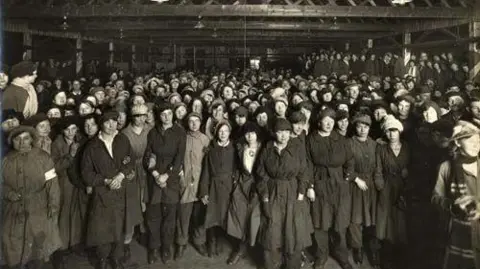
(349,165)
(263,177)
(148,151)
(89,174)
(378,176)
(62,162)
(204,183)
(51,186)
(128,167)
(302,176)
(179,157)
(439,197)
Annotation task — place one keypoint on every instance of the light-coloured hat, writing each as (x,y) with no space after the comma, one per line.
(138,110)
(464,129)
(390,122)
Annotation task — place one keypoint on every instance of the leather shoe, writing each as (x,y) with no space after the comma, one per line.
(358,255)
(202,249)
(166,257)
(116,264)
(180,251)
(101,264)
(235,257)
(153,256)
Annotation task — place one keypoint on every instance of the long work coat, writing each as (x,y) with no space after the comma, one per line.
(241,207)
(216,181)
(282,176)
(390,183)
(332,167)
(27,232)
(106,223)
(363,202)
(71,215)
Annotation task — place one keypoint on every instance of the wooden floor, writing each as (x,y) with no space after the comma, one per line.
(191,260)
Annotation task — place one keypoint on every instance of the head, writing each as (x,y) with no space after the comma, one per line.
(86,108)
(280,108)
(60,98)
(326,121)
(362,129)
(70,131)
(166,116)
(54,113)
(194,123)
(180,112)
(469,146)
(404,107)
(23,141)
(197,106)
(262,119)
(90,126)
(43,128)
(223,131)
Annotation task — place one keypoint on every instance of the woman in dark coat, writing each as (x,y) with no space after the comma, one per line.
(282,183)
(108,165)
(64,150)
(332,166)
(216,184)
(390,179)
(244,196)
(363,191)
(31,201)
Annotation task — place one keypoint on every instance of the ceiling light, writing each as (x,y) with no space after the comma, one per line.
(401,2)
(199,25)
(64,26)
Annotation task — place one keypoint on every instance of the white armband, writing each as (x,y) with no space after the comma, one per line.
(50,174)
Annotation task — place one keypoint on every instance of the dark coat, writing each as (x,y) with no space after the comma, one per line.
(357,67)
(106,223)
(282,176)
(332,168)
(216,181)
(322,68)
(169,148)
(371,67)
(14,97)
(389,181)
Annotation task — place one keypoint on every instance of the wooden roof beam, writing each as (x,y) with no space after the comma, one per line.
(428,25)
(152,10)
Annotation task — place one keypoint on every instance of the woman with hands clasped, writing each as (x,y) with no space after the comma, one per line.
(457,192)
(108,165)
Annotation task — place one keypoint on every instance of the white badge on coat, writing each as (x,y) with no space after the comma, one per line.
(50,174)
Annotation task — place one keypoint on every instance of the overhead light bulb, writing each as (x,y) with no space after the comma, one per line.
(401,2)
(199,25)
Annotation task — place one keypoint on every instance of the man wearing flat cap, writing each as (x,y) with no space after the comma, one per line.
(20,95)
(108,165)
(457,193)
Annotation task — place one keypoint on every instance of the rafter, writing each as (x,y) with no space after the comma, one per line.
(235,11)
(419,26)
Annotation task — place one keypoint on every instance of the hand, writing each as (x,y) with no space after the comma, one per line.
(162,185)
(464,201)
(311,194)
(205,200)
(152,161)
(13,196)
(361,184)
(163,178)
(52,212)
(181,174)
(74,148)
(300,197)
(115,185)
(89,190)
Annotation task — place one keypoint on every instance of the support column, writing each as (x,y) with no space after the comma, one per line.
(133,61)
(175,54)
(79,57)
(407,53)
(27,46)
(473,51)
(111,53)
(194,58)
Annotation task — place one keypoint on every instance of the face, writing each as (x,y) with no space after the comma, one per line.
(9,124)
(122,120)
(96,82)
(282,137)
(393,135)
(111,93)
(262,119)
(54,114)
(90,127)
(70,131)
(100,96)
(297,128)
(180,112)
(327,124)
(455,103)
(39,88)
(251,137)
(280,108)
(139,120)
(218,112)
(120,85)
(403,108)
(223,133)
(469,146)
(113,77)
(475,109)
(197,106)
(60,99)
(166,117)
(240,120)
(327,97)
(362,129)
(296,100)
(379,113)
(23,142)
(3,80)
(43,128)
(342,124)
(430,115)
(110,127)
(85,109)
(241,94)
(150,116)
(227,93)
(76,85)
(194,124)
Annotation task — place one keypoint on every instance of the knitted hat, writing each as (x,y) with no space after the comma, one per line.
(282,99)
(108,115)
(194,114)
(327,112)
(20,130)
(139,110)
(22,69)
(297,117)
(341,115)
(362,118)
(282,125)
(241,111)
(390,122)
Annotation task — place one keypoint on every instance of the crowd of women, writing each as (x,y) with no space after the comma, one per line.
(301,166)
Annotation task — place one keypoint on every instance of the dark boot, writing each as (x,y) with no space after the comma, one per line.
(127,254)
(167,256)
(153,256)
(238,254)
(212,246)
(375,259)
(358,255)
(101,264)
(201,249)
(58,260)
(117,264)
(180,251)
